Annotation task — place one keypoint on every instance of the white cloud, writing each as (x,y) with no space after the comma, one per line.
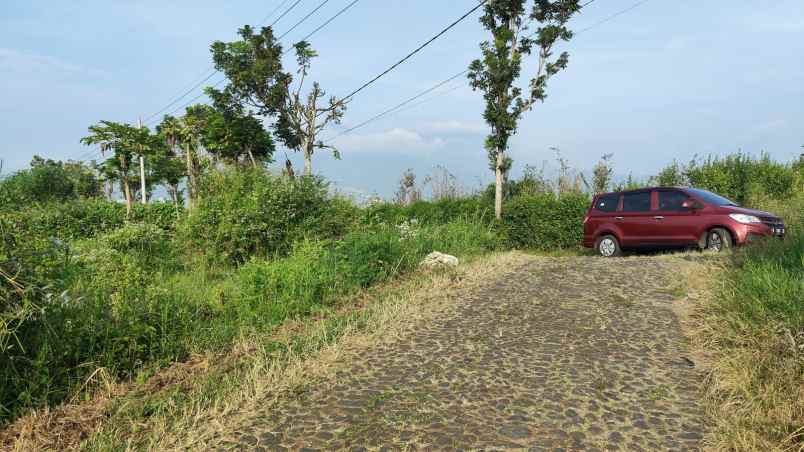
(397,139)
(20,62)
(454,126)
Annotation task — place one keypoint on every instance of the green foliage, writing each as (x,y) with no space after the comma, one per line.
(88,218)
(496,73)
(672,176)
(546,221)
(446,210)
(255,214)
(737,176)
(48,181)
(601,174)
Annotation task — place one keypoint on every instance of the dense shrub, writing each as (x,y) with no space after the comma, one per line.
(80,219)
(473,208)
(255,214)
(736,176)
(545,222)
(48,181)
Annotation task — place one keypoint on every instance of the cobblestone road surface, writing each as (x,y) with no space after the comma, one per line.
(576,353)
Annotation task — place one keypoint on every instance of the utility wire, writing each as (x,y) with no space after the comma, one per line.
(271,14)
(399,107)
(411,54)
(290,8)
(343,10)
(316,30)
(213,71)
(321,5)
(613,16)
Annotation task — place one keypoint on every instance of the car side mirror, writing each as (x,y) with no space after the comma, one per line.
(691,204)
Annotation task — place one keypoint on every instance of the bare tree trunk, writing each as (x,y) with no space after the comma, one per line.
(308,155)
(251,156)
(308,164)
(127,193)
(126,186)
(191,187)
(498,189)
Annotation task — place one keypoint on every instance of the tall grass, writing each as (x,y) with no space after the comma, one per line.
(755,325)
(134,303)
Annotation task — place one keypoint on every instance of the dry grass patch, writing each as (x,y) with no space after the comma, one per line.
(755,383)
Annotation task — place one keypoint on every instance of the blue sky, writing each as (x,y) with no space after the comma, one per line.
(669,79)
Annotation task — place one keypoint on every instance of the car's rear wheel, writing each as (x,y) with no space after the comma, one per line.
(717,240)
(608,246)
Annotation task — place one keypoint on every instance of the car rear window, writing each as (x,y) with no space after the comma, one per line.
(607,203)
(636,202)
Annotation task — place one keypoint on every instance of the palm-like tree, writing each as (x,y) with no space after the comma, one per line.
(121,140)
(185,133)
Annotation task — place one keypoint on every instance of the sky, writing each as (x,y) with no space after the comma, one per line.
(666,80)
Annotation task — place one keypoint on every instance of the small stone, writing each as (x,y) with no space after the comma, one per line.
(436,259)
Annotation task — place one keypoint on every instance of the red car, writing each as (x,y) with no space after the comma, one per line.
(666,217)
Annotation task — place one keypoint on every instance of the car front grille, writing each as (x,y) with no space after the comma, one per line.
(776,225)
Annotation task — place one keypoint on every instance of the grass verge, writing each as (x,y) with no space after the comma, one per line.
(749,317)
(192,404)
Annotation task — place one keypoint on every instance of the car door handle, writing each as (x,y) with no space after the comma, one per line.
(658,217)
(619,218)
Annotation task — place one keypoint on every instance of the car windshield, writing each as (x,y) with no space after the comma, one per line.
(711,198)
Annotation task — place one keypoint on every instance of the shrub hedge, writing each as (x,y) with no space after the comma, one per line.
(255,214)
(545,221)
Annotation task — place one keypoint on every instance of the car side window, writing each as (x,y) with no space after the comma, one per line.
(607,203)
(636,202)
(671,201)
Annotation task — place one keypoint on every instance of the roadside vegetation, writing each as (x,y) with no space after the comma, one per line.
(96,293)
(752,321)
(93,296)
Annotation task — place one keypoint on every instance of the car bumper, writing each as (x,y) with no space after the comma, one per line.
(746,233)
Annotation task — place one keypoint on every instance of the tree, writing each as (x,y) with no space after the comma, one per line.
(186,133)
(407,193)
(258,82)
(672,176)
(602,173)
(124,141)
(501,65)
(237,137)
(302,119)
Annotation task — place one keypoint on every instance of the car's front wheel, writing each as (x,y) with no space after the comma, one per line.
(608,246)
(717,240)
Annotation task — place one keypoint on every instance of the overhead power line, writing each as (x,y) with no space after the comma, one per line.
(308,36)
(343,10)
(417,50)
(290,8)
(320,5)
(401,106)
(273,11)
(212,71)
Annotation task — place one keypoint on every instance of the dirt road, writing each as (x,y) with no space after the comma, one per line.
(576,353)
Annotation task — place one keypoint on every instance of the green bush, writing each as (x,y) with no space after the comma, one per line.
(473,208)
(273,290)
(81,219)
(48,181)
(737,176)
(254,214)
(545,222)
